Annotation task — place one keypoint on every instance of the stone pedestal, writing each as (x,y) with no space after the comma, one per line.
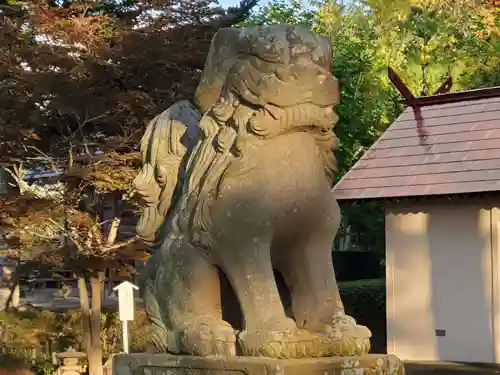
(165,364)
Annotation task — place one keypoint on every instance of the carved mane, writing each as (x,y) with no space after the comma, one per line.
(257,83)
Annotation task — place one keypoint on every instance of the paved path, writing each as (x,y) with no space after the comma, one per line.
(446,368)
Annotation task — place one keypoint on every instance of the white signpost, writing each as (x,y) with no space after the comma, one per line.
(126,307)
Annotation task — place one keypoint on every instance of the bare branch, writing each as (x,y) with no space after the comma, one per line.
(73,238)
(120,245)
(18,173)
(48,158)
(36,234)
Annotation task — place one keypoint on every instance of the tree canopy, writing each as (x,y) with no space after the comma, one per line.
(81,78)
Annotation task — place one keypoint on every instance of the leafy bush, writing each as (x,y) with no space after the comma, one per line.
(365,301)
(30,337)
(13,362)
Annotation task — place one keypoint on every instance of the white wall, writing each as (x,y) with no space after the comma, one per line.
(440,277)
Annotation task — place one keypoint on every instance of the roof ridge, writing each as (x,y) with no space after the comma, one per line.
(457,96)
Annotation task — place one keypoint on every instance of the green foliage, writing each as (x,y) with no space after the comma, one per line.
(45,368)
(25,333)
(12,362)
(281,11)
(365,301)
(22,365)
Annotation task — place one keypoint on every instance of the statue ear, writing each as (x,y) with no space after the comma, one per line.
(222,55)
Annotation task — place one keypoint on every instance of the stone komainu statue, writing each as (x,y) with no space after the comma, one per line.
(242,183)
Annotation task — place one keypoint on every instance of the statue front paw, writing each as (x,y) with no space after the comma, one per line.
(343,336)
(207,336)
(280,338)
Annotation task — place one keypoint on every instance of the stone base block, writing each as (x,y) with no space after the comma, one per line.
(165,364)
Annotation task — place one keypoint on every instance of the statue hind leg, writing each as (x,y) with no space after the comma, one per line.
(187,295)
(305,263)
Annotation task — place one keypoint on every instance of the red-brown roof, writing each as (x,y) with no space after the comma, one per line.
(461,153)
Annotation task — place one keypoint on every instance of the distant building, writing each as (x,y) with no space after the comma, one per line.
(442,200)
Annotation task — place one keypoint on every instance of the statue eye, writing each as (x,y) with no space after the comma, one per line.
(161,175)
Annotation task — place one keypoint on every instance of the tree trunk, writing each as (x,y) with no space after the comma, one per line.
(14,295)
(85,308)
(95,352)
(91,322)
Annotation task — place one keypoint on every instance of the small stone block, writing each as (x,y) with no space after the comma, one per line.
(166,364)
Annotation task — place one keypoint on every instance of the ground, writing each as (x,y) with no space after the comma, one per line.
(446,368)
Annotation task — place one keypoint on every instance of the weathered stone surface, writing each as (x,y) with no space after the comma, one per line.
(164,364)
(242,184)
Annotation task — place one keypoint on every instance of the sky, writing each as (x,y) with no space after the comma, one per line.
(229,3)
